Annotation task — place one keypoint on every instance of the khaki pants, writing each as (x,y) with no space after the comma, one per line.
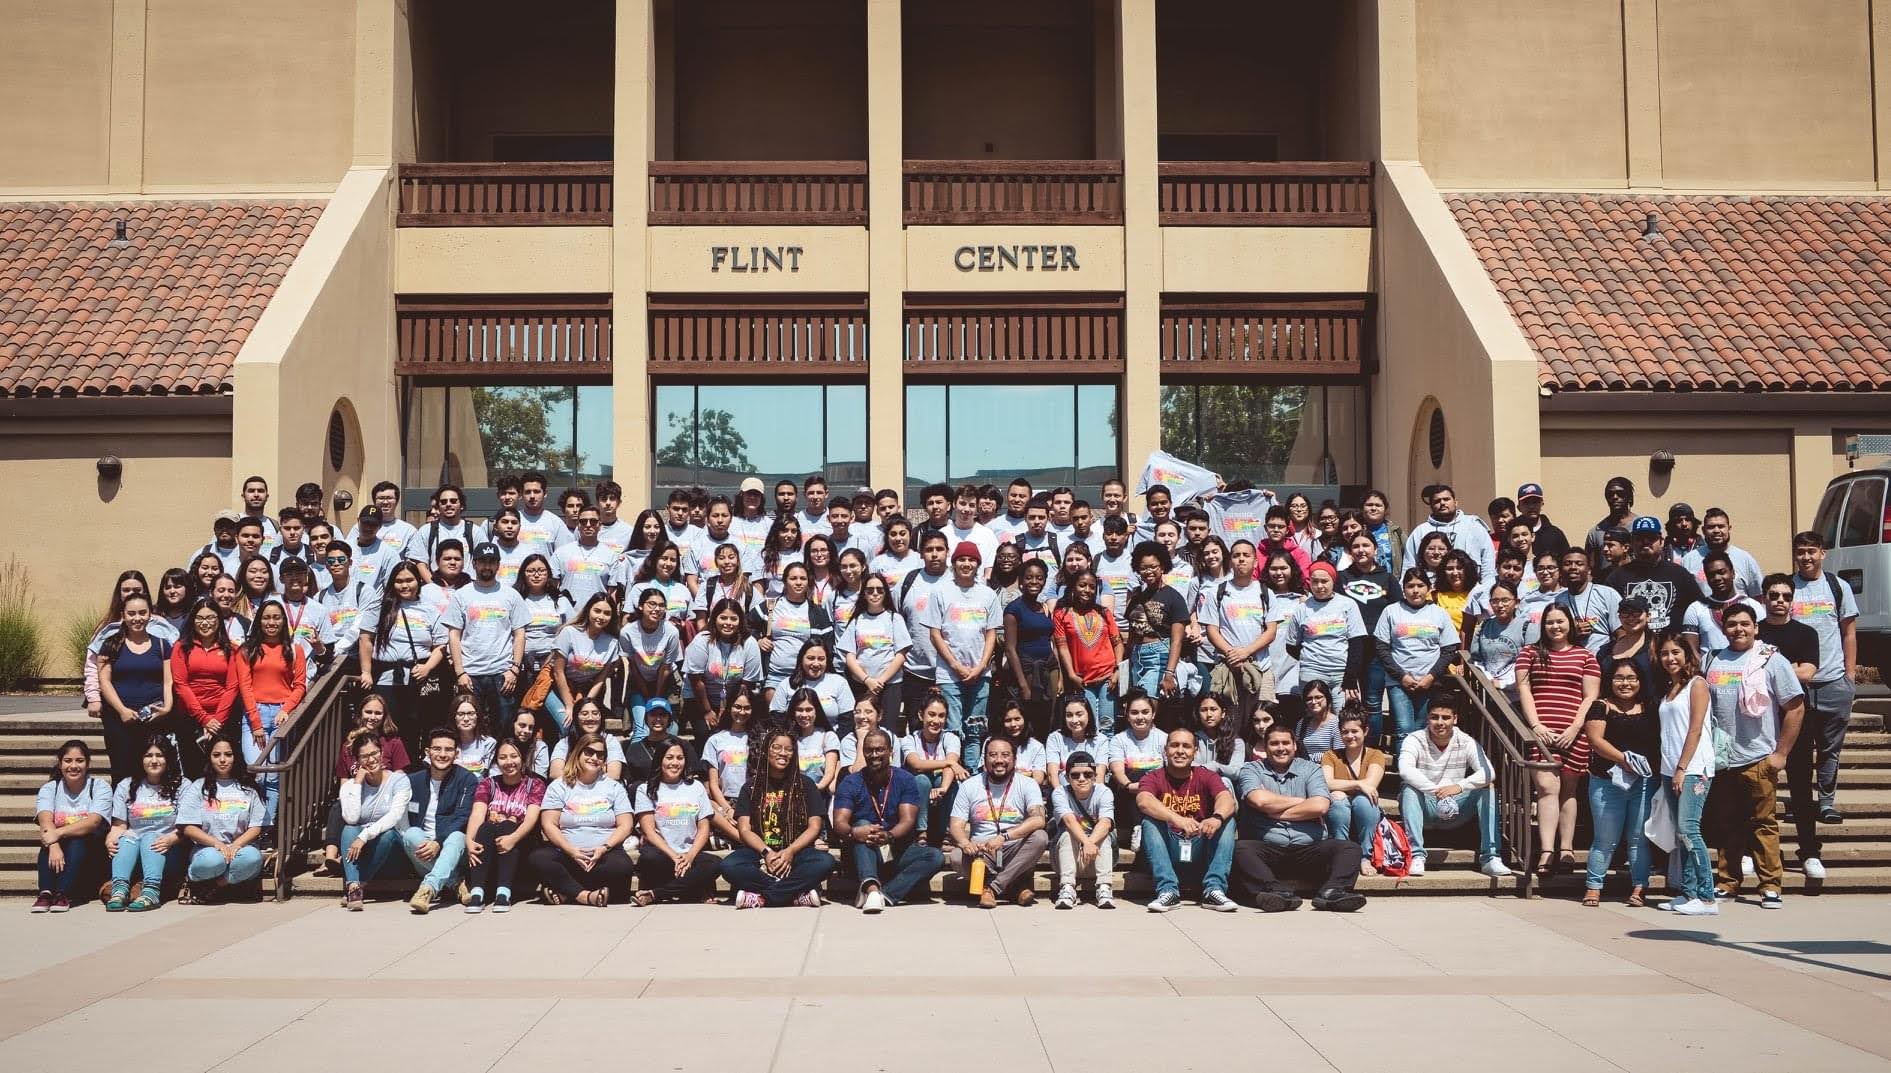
(1009,868)
(1247,685)
(1742,803)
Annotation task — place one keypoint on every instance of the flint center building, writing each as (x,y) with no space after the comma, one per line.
(1322,245)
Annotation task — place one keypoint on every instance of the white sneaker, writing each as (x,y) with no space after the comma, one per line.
(1418,868)
(1814,868)
(1673,905)
(1066,898)
(1135,839)
(1698,909)
(1746,867)
(1495,868)
(874,902)
(1106,899)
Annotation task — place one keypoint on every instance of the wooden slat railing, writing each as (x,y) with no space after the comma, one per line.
(1505,738)
(1271,194)
(307,744)
(709,335)
(1080,334)
(756,192)
(958,192)
(505,194)
(536,336)
(1251,335)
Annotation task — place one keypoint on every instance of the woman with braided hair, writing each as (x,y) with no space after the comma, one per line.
(778,817)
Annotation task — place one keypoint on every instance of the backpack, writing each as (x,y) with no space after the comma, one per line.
(1392,849)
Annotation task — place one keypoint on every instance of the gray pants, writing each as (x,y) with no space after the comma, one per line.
(1103,869)
(1009,868)
(1813,762)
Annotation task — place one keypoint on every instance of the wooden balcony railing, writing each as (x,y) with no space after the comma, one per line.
(505,194)
(1252,194)
(1261,335)
(758,192)
(538,337)
(1079,334)
(1014,192)
(781,335)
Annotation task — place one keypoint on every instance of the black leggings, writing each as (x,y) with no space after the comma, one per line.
(656,873)
(562,874)
(495,869)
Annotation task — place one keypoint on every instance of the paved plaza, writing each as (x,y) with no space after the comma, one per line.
(1413,984)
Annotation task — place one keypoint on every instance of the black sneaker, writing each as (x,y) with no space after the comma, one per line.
(502,902)
(1273,901)
(1165,902)
(1336,900)
(1829,814)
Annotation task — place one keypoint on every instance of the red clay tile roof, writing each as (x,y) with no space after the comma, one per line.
(1734,294)
(163,315)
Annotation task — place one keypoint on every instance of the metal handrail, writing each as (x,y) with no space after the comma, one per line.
(310,740)
(1505,738)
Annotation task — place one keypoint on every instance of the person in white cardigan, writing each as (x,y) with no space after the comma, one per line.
(373,814)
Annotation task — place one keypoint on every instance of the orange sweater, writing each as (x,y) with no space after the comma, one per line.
(277,678)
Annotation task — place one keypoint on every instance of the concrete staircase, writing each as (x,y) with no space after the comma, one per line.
(1857,853)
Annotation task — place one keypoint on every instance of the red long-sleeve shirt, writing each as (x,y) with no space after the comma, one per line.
(277,678)
(206,683)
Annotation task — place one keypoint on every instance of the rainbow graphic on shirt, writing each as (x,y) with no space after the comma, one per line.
(1163,475)
(733,757)
(489,613)
(150,811)
(545,617)
(596,806)
(1244,527)
(508,573)
(1251,614)
(1725,679)
(582,566)
(965,615)
(591,660)
(1332,627)
(784,620)
(231,806)
(812,765)
(648,659)
(410,618)
(1007,813)
(343,617)
(872,641)
(1814,609)
(1415,631)
(678,810)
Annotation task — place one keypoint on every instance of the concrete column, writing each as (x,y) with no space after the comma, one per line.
(633,138)
(375,22)
(1641,75)
(1140,401)
(886,248)
(1881,88)
(126,168)
(1397,28)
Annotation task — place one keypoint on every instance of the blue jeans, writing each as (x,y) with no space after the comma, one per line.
(639,706)
(742,868)
(498,704)
(1372,695)
(1162,848)
(252,756)
(1618,814)
(374,855)
(1147,661)
(207,863)
(927,784)
(1354,817)
(1418,809)
(965,714)
(136,857)
(912,866)
(1697,869)
(436,875)
(66,880)
(1408,714)
(1101,702)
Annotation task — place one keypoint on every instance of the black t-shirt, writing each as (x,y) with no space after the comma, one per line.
(1798,642)
(1151,614)
(1669,590)
(1373,591)
(1629,733)
(765,825)
(640,765)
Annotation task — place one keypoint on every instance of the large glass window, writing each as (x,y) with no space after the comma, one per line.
(715,435)
(1288,437)
(472,436)
(1049,434)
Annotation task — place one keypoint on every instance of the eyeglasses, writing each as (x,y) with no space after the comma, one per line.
(1083,774)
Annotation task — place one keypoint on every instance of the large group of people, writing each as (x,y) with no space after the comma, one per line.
(1003,680)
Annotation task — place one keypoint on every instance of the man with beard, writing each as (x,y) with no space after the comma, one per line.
(1651,575)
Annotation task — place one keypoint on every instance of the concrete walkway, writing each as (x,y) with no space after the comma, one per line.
(1412,985)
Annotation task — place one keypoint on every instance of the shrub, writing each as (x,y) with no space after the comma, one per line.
(80,629)
(22,648)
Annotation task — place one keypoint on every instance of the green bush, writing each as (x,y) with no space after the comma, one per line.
(22,649)
(79,631)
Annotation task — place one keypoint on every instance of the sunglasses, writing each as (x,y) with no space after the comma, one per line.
(336,560)
(1083,774)
(598,753)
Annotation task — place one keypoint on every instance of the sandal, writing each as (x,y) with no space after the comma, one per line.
(142,903)
(550,897)
(1545,866)
(1635,900)
(1566,862)
(596,899)
(1591,898)
(644,899)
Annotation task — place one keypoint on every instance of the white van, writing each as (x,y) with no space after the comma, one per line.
(1855,519)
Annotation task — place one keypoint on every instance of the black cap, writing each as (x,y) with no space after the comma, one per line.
(1081,756)
(1680,510)
(486,549)
(369,513)
(1634,603)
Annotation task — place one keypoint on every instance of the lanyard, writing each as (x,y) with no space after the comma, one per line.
(997,806)
(879,807)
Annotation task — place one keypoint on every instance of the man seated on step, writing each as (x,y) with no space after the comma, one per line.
(1186,825)
(1446,780)
(998,818)
(438,808)
(1283,834)
(876,812)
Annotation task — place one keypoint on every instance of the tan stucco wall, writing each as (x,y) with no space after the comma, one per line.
(934,259)
(761,80)
(326,338)
(1444,332)
(248,93)
(1288,260)
(56,80)
(830,259)
(1513,94)
(502,260)
(1014,77)
(1767,94)
(1719,462)
(176,477)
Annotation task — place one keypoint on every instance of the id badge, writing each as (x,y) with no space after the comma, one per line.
(1186,851)
(886,852)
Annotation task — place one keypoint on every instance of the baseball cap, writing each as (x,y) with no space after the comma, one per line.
(225,517)
(1645,525)
(1635,603)
(1529,491)
(370,515)
(1680,510)
(1081,756)
(967,550)
(752,484)
(486,549)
